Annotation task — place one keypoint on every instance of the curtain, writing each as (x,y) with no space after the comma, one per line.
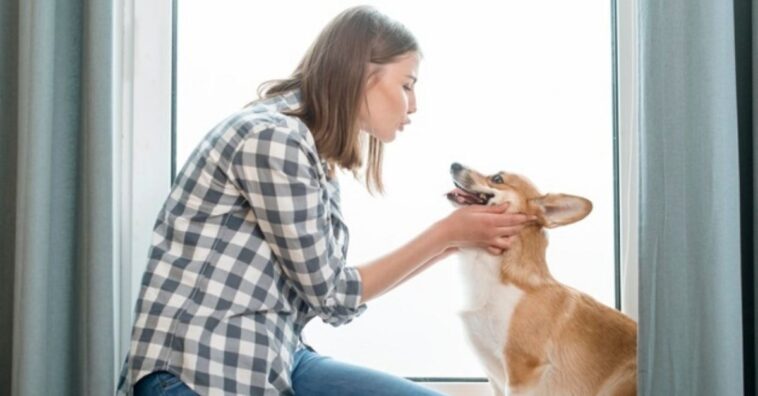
(697,203)
(56,197)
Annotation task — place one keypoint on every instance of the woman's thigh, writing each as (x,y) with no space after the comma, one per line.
(317,375)
(161,383)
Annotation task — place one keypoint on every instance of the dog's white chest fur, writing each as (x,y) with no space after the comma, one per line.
(487,311)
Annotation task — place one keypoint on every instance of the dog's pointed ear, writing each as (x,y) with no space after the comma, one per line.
(553,210)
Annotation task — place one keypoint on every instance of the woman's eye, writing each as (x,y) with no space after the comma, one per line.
(497,179)
(407,87)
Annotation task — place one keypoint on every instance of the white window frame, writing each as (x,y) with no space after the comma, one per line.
(143,53)
(628,122)
(142,159)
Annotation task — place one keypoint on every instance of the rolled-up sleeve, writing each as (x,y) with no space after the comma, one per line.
(280,179)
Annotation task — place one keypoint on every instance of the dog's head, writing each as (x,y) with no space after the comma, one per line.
(551,210)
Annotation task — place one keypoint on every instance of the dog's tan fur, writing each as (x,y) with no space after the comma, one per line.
(559,341)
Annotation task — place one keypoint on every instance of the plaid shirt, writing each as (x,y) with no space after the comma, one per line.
(249,246)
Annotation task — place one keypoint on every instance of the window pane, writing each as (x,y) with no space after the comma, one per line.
(508,85)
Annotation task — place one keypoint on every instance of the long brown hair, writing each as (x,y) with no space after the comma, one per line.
(332,79)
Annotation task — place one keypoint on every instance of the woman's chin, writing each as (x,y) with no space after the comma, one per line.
(384,137)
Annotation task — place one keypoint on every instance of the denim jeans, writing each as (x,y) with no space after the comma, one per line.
(317,375)
(312,375)
(162,383)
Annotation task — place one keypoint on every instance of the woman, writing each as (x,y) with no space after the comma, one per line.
(250,244)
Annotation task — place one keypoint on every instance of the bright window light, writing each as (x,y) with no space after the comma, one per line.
(519,86)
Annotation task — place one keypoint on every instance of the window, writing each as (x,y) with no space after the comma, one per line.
(522,87)
(516,86)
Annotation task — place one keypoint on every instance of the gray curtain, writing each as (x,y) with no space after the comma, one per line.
(697,216)
(56,194)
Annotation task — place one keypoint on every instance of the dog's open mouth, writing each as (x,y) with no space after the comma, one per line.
(462,196)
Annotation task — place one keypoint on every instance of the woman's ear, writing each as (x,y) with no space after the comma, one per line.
(374,72)
(553,210)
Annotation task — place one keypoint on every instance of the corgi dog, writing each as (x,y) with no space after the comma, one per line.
(534,335)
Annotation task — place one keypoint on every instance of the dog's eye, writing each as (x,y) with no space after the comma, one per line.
(497,179)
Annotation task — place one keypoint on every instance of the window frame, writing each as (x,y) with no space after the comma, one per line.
(145,114)
(143,170)
(626,121)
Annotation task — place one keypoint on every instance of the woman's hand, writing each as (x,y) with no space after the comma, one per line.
(487,227)
(482,226)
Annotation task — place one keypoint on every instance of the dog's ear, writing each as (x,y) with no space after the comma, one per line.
(553,210)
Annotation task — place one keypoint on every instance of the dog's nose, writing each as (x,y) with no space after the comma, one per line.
(455,167)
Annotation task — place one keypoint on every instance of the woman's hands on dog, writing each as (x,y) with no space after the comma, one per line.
(489,227)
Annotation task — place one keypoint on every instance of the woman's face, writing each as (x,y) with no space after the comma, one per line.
(390,97)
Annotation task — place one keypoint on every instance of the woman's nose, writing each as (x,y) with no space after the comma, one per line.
(412,105)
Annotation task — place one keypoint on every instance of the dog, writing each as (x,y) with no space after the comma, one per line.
(534,335)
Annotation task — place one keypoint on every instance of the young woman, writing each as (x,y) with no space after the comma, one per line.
(250,244)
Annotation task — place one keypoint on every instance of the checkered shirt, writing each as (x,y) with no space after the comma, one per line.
(248,247)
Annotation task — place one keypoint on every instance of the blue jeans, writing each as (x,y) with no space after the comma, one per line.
(162,383)
(317,375)
(312,375)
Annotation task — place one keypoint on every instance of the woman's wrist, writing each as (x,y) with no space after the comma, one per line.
(444,233)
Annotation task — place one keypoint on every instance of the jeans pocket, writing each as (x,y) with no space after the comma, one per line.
(167,380)
(172,385)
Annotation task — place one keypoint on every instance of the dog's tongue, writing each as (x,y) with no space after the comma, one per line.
(458,191)
(462,197)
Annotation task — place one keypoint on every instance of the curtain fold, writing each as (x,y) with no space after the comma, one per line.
(56,170)
(744,18)
(696,209)
(754,127)
(8,159)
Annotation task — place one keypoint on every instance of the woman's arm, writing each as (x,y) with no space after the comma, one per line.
(383,274)
(278,176)
(484,226)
